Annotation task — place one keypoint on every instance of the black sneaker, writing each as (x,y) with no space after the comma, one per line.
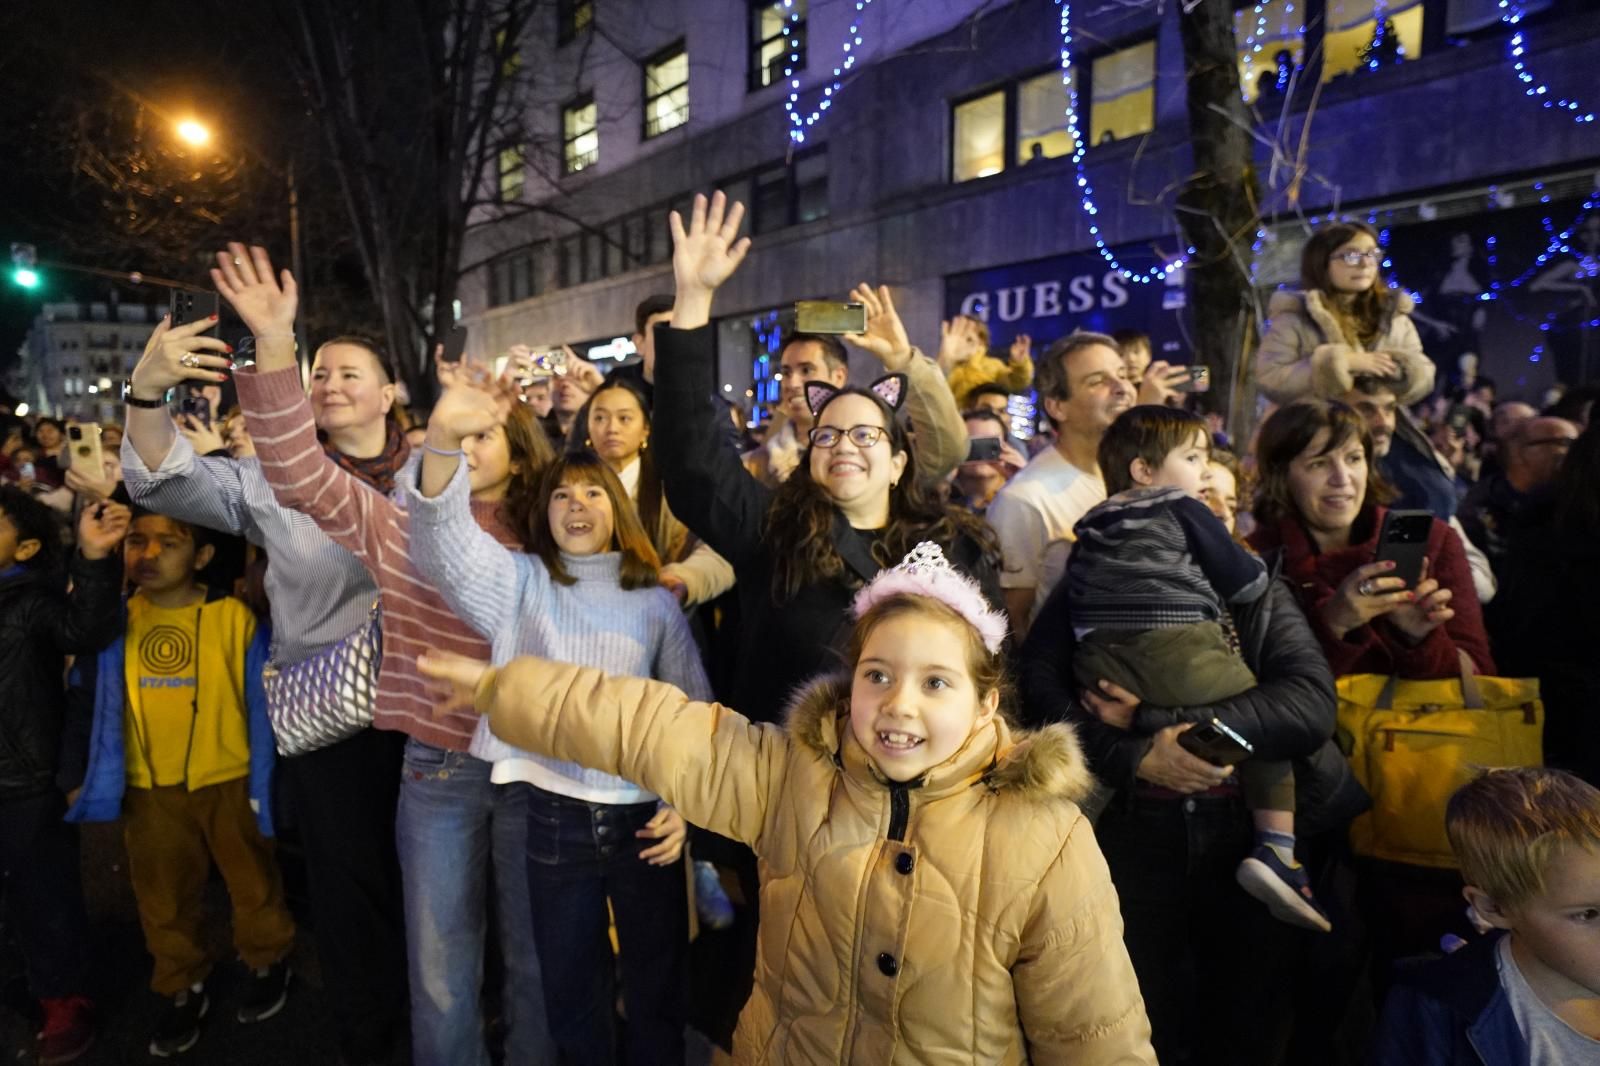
(179,1027)
(265,992)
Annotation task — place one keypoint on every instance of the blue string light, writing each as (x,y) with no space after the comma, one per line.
(1085,190)
(852,46)
(1512,13)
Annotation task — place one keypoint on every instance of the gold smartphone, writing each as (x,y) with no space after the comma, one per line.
(829,316)
(83,450)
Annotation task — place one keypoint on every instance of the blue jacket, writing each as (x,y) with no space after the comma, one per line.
(1413,468)
(1450,1012)
(106,777)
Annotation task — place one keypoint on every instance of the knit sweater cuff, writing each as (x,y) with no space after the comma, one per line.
(440,509)
(270,391)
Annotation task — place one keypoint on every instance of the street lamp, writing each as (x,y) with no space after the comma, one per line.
(192,132)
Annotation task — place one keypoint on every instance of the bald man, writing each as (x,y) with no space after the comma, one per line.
(1531,456)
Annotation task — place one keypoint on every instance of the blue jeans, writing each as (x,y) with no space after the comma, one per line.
(579,856)
(452,823)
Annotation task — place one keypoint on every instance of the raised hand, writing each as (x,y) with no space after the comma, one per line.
(94,488)
(1161,381)
(101,528)
(704,255)
(266,303)
(473,403)
(958,341)
(1022,349)
(175,354)
(886,334)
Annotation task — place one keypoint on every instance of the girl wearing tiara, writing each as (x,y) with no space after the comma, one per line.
(930,891)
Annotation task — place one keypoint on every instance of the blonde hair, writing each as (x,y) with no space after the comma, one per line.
(1507,826)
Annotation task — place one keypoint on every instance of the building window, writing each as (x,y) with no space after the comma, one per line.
(786,194)
(580,137)
(572,18)
(1353,39)
(1042,130)
(513,171)
(777,41)
(666,91)
(514,277)
(1122,94)
(979,137)
(1271,38)
(811,187)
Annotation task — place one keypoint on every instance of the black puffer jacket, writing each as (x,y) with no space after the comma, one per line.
(1290,714)
(40,625)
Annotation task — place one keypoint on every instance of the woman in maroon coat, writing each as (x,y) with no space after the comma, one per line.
(1319,506)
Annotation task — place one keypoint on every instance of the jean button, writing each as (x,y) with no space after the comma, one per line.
(887,965)
(1188,806)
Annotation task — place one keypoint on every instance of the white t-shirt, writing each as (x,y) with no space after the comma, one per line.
(1551,1041)
(1041,504)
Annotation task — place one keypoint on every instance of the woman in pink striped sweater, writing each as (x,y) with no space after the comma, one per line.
(452,821)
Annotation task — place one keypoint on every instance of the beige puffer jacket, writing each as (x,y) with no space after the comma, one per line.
(1305,354)
(968,918)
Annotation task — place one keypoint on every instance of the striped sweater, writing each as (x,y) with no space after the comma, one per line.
(510,596)
(377,530)
(1150,558)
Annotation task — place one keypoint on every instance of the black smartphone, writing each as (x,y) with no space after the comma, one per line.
(829,316)
(193,402)
(983,449)
(1216,744)
(1404,541)
(1199,380)
(455,345)
(187,306)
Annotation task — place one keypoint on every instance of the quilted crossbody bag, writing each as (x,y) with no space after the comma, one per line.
(324,699)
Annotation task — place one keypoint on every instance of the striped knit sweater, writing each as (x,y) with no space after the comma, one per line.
(378,531)
(510,597)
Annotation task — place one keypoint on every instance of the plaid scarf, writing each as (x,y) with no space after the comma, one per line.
(378,471)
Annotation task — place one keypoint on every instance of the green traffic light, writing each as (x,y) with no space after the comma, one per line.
(25,277)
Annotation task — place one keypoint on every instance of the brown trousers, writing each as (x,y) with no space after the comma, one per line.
(173,835)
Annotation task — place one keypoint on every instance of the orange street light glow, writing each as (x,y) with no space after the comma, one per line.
(193,132)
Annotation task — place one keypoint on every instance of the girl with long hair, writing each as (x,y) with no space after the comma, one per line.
(586,591)
(618,430)
(1345,323)
(459,836)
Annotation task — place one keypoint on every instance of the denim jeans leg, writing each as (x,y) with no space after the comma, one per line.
(651,907)
(567,884)
(442,833)
(528,1039)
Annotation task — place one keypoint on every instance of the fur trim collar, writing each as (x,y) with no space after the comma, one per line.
(1314,306)
(1045,764)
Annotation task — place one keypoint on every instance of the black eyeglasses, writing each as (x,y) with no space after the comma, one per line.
(1355,259)
(860,436)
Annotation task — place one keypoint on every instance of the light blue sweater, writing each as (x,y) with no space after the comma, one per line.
(511,599)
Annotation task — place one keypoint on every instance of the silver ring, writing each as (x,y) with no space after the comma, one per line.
(190,360)
(237,261)
(1365,588)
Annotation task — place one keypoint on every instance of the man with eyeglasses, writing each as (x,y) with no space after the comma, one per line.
(1532,455)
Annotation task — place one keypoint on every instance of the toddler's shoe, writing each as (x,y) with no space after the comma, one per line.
(1285,889)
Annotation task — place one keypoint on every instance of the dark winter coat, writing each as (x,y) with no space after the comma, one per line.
(1450,1012)
(40,625)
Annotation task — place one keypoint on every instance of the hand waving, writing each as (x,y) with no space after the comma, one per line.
(244,278)
(474,402)
(704,256)
(101,528)
(886,334)
(958,341)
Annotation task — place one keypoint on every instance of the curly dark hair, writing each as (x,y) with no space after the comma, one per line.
(799,523)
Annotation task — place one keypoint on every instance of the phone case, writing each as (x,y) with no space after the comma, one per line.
(1215,744)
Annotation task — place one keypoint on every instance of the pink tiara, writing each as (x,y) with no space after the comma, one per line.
(926,572)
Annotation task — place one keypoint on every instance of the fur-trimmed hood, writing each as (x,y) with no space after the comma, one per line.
(1045,764)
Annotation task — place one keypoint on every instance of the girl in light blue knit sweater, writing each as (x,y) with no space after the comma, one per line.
(586,593)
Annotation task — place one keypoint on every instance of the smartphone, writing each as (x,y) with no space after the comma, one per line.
(186,306)
(983,449)
(828,316)
(84,453)
(193,402)
(1216,744)
(1404,541)
(1199,380)
(455,345)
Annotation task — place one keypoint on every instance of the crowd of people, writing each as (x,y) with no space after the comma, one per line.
(1003,750)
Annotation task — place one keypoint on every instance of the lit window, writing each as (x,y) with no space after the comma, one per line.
(1042,131)
(572,18)
(1123,95)
(513,170)
(1271,36)
(1355,41)
(666,91)
(579,136)
(777,41)
(979,137)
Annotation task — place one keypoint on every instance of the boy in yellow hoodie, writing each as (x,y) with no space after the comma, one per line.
(964,357)
(180,748)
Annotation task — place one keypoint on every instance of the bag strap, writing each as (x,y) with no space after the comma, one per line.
(1471,692)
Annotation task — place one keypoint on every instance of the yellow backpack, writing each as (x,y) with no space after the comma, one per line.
(1411,744)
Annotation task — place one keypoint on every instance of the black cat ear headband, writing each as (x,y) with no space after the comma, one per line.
(891,389)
